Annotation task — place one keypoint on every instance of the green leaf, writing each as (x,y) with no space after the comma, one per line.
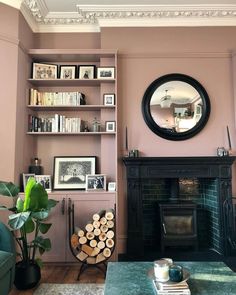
(29,225)
(39,262)
(51,203)
(8,189)
(40,215)
(38,198)
(30,184)
(20,205)
(16,221)
(42,243)
(44,227)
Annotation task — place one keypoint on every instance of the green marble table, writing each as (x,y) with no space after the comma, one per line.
(206,278)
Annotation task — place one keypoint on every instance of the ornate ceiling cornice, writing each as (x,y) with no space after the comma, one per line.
(91,18)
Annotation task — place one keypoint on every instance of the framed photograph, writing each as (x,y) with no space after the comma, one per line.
(44,71)
(45,181)
(110,126)
(67,72)
(95,182)
(70,172)
(87,72)
(106,72)
(111,186)
(26,177)
(109,99)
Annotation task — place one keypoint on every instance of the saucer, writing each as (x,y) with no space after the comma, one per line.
(186,276)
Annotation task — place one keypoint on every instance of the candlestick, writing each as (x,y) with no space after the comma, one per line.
(228,137)
(126,139)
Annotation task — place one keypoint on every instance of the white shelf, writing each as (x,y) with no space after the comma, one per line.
(72,133)
(71,82)
(70,108)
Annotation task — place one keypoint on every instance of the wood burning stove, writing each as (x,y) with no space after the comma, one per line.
(178,224)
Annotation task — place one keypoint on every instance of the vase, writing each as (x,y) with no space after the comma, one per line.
(27,275)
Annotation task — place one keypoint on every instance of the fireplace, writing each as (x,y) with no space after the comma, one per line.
(151,185)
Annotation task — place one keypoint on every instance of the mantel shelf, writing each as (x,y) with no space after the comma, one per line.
(72,133)
(71,82)
(70,108)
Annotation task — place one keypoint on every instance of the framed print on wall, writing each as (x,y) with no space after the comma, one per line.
(106,72)
(87,72)
(109,99)
(67,72)
(110,126)
(95,182)
(45,181)
(44,71)
(70,172)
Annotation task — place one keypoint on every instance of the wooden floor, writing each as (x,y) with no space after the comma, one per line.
(64,274)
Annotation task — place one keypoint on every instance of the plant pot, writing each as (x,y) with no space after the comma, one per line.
(27,275)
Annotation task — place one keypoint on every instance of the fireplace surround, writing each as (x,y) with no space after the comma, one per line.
(214,176)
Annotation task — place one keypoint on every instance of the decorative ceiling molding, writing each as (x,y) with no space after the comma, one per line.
(91,18)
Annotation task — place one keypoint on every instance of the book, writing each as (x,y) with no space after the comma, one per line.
(174,289)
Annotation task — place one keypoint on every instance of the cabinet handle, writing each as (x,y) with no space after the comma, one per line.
(63,206)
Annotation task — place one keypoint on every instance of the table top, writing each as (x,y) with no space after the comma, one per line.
(133,278)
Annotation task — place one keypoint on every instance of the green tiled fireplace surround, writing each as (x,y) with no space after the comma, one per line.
(203,192)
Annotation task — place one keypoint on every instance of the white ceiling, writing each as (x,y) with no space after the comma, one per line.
(91,15)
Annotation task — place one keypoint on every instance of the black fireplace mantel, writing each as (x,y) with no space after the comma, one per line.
(141,169)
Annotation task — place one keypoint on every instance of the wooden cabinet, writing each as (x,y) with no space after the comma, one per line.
(47,145)
(85,205)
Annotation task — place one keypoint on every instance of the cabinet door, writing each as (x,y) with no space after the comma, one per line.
(57,233)
(85,205)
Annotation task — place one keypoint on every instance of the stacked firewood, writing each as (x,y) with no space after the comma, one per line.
(95,243)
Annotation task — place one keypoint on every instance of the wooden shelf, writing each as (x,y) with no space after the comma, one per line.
(70,108)
(72,82)
(72,133)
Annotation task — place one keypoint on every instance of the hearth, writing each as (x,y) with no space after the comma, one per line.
(204,182)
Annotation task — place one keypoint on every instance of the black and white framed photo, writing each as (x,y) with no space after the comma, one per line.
(110,126)
(111,186)
(87,72)
(106,72)
(45,181)
(70,172)
(44,71)
(109,99)
(26,177)
(67,72)
(95,182)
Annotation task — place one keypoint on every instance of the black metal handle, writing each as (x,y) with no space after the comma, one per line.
(63,206)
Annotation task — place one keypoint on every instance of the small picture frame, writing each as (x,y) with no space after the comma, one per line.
(45,181)
(95,182)
(106,73)
(67,72)
(44,71)
(111,186)
(110,126)
(109,99)
(87,72)
(26,177)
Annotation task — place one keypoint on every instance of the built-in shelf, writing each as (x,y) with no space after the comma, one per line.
(71,133)
(69,82)
(70,108)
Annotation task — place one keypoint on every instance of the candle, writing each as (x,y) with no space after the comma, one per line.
(126,138)
(161,270)
(176,273)
(228,137)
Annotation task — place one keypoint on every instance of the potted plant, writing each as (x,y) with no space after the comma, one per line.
(27,222)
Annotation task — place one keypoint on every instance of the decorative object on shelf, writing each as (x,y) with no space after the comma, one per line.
(67,72)
(96,125)
(94,245)
(105,72)
(70,172)
(109,99)
(28,219)
(44,71)
(82,98)
(222,152)
(133,153)
(45,181)
(95,182)
(86,128)
(35,168)
(111,186)
(87,72)
(110,126)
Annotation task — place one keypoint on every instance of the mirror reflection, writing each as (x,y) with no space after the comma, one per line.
(176,106)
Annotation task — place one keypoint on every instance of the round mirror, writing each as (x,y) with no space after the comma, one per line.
(176,106)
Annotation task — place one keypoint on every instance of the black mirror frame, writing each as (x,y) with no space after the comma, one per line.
(206,109)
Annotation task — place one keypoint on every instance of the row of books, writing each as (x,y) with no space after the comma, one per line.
(174,289)
(74,98)
(58,123)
